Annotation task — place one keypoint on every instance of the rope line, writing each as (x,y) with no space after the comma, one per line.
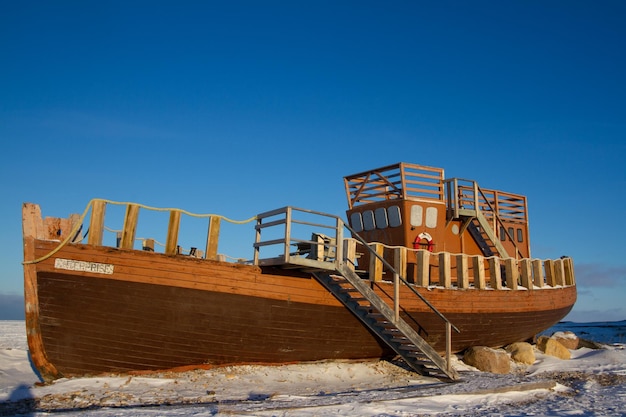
(81,220)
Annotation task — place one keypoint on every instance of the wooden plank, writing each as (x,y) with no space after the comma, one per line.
(445,270)
(423,268)
(96,223)
(495,273)
(526,274)
(478,266)
(550,274)
(538,275)
(213,237)
(512,273)
(568,266)
(400,261)
(148,245)
(171,244)
(559,272)
(130,227)
(376,265)
(349,250)
(462,271)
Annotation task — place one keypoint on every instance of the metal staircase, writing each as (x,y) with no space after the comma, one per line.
(372,310)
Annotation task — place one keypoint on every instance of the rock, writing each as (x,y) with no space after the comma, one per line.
(522,352)
(567,339)
(590,344)
(487,359)
(552,347)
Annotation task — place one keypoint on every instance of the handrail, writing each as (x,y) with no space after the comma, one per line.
(400,277)
(453,202)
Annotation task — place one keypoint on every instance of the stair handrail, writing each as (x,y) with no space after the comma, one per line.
(453,200)
(400,277)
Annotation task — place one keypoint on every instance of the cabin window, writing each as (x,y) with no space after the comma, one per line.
(380,216)
(368,220)
(395,219)
(431,217)
(502,234)
(417,213)
(520,235)
(356,222)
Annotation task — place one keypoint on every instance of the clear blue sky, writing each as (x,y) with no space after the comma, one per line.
(240,107)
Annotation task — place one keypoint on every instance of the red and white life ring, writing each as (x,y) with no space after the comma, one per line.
(417,242)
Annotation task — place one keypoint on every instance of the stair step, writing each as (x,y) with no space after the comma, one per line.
(366,306)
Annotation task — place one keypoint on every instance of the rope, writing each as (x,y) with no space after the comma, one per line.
(79,223)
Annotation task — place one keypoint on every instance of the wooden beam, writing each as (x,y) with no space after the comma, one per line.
(130,227)
(538,275)
(213,237)
(495,273)
(376,265)
(171,244)
(96,223)
(526,274)
(478,265)
(445,270)
(512,273)
(423,268)
(462,271)
(550,275)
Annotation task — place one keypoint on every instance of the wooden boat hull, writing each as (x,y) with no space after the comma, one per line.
(154,311)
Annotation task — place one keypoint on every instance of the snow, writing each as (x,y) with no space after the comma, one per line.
(591,383)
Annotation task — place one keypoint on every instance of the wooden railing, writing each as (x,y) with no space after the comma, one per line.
(425,269)
(398,181)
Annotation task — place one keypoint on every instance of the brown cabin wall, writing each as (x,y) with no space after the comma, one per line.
(443,237)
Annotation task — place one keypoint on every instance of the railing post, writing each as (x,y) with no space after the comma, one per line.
(213,237)
(478,265)
(549,268)
(423,268)
(349,251)
(96,223)
(512,273)
(538,273)
(448,345)
(526,275)
(569,271)
(376,265)
(339,257)
(257,240)
(287,234)
(399,268)
(171,244)
(127,240)
(559,272)
(462,271)
(495,273)
(445,270)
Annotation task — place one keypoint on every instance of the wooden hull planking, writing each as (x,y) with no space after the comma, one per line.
(157,311)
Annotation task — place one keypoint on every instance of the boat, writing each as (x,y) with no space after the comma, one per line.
(422,268)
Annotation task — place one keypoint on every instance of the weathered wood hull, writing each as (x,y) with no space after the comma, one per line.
(156,311)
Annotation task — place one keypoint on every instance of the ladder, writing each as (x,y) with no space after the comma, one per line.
(372,310)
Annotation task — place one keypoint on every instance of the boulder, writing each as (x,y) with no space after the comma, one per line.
(522,352)
(552,347)
(567,339)
(488,360)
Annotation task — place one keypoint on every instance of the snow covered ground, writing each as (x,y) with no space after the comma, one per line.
(591,383)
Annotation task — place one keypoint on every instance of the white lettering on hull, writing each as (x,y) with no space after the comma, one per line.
(72,265)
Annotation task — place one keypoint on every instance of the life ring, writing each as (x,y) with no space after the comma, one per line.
(429,239)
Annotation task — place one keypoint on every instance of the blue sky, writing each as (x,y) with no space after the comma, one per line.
(241,107)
